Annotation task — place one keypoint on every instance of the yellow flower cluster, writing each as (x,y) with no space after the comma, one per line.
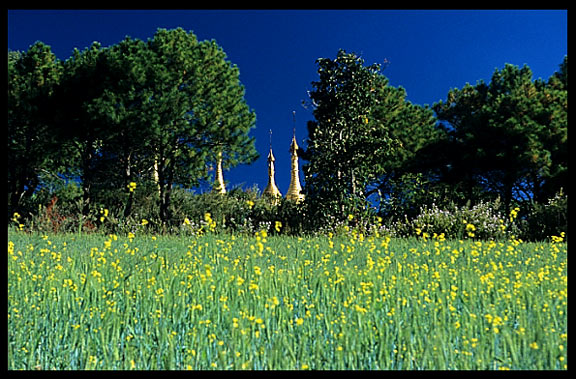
(103,214)
(16,219)
(207,224)
(514,214)
(470,229)
(131,186)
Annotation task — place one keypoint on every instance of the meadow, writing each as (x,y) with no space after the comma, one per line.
(291,303)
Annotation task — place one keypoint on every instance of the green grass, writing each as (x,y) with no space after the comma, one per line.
(263,302)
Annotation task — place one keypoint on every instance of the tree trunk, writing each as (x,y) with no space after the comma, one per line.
(17,191)
(165,204)
(507,193)
(165,178)
(128,172)
(86,180)
(353,182)
(156,175)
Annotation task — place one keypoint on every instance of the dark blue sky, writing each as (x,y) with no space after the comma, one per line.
(429,52)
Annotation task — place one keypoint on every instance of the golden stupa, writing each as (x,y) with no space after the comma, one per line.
(219,185)
(271,191)
(295,189)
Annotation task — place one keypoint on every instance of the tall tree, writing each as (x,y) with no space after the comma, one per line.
(197,109)
(224,112)
(125,155)
(550,172)
(77,119)
(346,147)
(499,132)
(158,110)
(32,76)
(405,181)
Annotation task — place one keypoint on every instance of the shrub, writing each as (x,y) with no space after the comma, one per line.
(481,221)
(57,216)
(58,208)
(545,220)
(237,211)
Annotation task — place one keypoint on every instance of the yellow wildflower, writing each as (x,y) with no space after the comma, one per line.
(514,213)
(557,239)
(470,228)
(131,186)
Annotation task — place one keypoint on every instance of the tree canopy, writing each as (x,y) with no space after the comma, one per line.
(506,140)
(364,131)
(33,75)
(146,117)
(508,137)
(157,111)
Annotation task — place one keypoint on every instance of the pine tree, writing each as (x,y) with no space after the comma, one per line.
(32,77)
(503,135)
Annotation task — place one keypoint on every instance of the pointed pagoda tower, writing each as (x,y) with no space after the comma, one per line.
(271,191)
(295,189)
(219,185)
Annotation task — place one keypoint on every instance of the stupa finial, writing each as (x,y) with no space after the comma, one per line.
(219,186)
(271,191)
(295,189)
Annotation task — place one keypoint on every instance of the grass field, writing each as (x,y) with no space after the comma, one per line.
(265,302)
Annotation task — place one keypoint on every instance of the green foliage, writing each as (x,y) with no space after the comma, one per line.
(346,147)
(32,77)
(403,196)
(236,212)
(483,221)
(186,103)
(405,175)
(548,219)
(58,208)
(137,124)
(507,137)
(151,113)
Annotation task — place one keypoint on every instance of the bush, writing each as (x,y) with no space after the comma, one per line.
(545,220)
(230,212)
(237,211)
(481,221)
(58,208)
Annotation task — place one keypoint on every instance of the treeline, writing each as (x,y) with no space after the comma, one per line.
(151,114)
(112,138)
(504,142)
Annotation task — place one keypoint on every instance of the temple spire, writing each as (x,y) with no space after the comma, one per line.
(295,189)
(219,186)
(271,191)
